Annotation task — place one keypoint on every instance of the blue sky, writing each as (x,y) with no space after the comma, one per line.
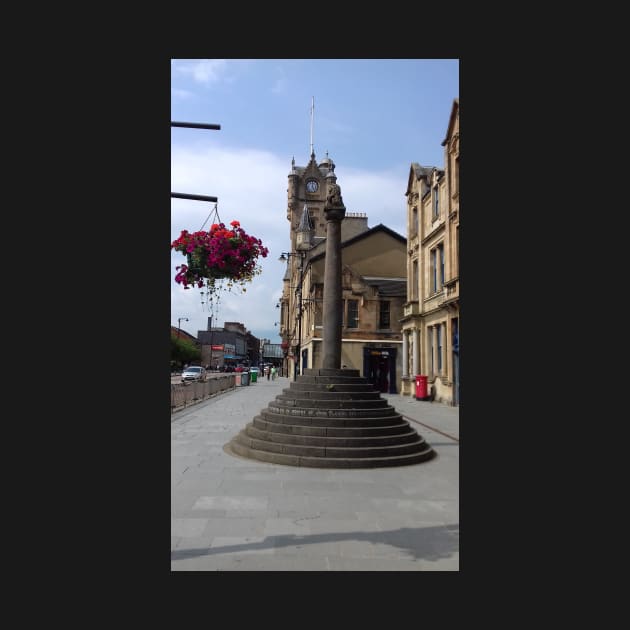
(373,116)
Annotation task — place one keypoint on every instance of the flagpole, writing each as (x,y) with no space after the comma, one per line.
(312,109)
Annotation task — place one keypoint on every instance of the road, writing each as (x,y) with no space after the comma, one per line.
(176,379)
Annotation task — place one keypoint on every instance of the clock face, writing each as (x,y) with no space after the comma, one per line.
(312,186)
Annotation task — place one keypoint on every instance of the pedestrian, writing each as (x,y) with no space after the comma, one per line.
(267,371)
(274,371)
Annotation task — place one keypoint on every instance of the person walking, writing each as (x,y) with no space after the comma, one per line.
(274,373)
(267,371)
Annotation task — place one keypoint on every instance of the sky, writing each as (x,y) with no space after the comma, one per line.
(374,117)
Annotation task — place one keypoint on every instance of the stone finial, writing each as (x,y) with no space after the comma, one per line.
(334,210)
(333,197)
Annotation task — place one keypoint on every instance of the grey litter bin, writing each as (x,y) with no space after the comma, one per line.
(244,378)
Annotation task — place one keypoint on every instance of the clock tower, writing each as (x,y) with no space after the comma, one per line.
(308,188)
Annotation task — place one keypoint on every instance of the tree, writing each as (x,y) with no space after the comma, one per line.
(183,351)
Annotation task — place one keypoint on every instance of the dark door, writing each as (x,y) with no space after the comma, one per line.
(383,374)
(455,362)
(379,367)
(304,360)
(378,372)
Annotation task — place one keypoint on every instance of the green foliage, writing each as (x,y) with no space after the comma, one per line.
(183,351)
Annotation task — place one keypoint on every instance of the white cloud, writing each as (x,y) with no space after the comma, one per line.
(380,195)
(203,71)
(182,94)
(334,126)
(280,86)
(251,187)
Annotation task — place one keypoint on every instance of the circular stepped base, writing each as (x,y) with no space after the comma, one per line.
(235,448)
(331,419)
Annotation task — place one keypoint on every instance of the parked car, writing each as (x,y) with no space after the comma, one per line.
(193,373)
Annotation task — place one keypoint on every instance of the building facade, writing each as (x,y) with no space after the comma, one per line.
(229,345)
(431,321)
(272,354)
(373,284)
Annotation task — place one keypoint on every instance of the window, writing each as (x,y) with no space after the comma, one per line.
(352,320)
(414,280)
(414,222)
(383,321)
(437,268)
(455,335)
(431,351)
(317,317)
(436,202)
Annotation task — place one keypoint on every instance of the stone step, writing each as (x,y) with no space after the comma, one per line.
(326,394)
(316,412)
(331,421)
(308,450)
(334,387)
(331,431)
(331,372)
(331,462)
(330,403)
(358,441)
(325,380)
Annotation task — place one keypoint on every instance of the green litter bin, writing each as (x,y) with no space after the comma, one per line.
(253,376)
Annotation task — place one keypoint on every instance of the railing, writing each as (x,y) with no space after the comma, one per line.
(188,394)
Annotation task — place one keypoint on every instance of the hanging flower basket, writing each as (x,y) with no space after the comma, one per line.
(218,254)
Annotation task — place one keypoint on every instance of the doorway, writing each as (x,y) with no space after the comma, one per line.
(455,347)
(379,367)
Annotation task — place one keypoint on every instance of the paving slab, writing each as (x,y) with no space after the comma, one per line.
(229,513)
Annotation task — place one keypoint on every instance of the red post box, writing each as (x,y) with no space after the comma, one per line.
(421,387)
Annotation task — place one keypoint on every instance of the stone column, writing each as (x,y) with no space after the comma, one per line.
(416,352)
(432,359)
(405,354)
(444,371)
(334,211)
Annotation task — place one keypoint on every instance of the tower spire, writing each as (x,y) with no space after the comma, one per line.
(312,110)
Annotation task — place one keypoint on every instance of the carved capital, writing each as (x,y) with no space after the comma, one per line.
(334,208)
(334,214)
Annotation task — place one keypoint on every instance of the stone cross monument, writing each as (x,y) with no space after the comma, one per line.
(331,417)
(334,211)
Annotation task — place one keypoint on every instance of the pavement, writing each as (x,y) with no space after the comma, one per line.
(234,514)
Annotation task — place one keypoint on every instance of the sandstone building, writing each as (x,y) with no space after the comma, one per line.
(373,283)
(431,321)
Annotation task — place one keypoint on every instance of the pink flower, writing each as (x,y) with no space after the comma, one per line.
(218,253)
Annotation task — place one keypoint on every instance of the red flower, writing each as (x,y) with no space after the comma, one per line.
(217,254)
